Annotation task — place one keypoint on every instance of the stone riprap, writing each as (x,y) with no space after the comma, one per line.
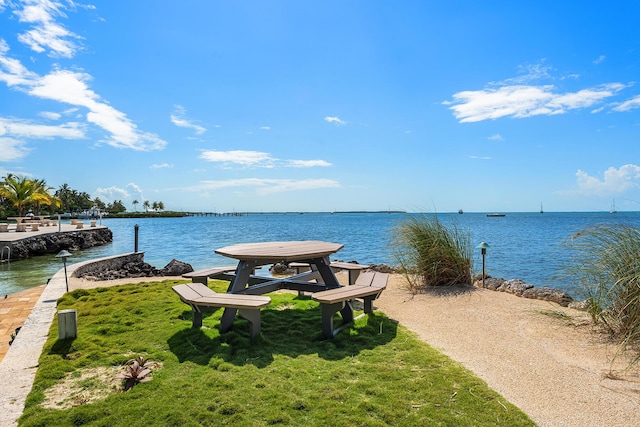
(522,289)
(54,242)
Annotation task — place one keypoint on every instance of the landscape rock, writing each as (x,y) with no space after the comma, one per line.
(514,286)
(548,294)
(176,268)
(279,268)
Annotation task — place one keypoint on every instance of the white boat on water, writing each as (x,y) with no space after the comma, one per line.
(613,206)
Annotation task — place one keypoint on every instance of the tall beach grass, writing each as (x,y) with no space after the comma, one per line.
(431,253)
(606,268)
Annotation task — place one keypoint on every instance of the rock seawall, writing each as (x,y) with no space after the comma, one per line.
(52,243)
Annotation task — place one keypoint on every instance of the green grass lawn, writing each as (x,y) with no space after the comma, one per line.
(373,373)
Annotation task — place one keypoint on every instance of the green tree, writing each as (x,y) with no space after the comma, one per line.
(135,204)
(146,205)
(22,192)
(65,195)
(116,207)
(99,204)
(161,206)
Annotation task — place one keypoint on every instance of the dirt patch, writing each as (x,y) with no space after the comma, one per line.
(83,386)
(86,385)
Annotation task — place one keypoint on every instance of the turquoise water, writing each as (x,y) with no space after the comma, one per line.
(527,246)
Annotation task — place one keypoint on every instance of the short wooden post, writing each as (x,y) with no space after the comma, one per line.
(67,324)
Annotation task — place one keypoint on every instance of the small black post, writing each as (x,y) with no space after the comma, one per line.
(135,239)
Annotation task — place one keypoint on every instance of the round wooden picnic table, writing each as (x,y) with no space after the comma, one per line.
(280,251)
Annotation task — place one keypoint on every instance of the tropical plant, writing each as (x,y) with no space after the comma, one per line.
(146,205)
(137,371)
(431,254)
(606,269)
(23,192)
(135,204)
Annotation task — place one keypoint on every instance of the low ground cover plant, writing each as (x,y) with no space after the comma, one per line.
(373,373)
(431,253)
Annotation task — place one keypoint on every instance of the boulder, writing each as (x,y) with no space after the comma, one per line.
(176,268)
(549,294)
(514,286)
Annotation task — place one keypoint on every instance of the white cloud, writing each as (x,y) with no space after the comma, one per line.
(12,72)
(245,158)
(26,129)
(160,166)
(50,115)
(72,88)
(258,159)
(495,137)
(265,128)
(614,181)
(12,149)
(600,59)
(629,105)
(308,163)
(525,101)
(137,189)
(110,194)
(335,120)
(45,33)
(267,186)
(480,157)
(179,119)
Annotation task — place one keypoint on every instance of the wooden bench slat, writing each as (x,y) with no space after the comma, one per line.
(371,278)
(234,301)
(345,293)
(348,265)
(188,292)
(208,272)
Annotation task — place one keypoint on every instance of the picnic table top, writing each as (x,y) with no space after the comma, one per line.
(280,251)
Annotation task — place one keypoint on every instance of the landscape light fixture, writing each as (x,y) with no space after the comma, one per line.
(483,247)
(64,255)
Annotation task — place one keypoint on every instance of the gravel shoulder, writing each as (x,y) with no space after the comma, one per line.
(546,359)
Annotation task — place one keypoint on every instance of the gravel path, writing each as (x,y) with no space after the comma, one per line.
(546,359)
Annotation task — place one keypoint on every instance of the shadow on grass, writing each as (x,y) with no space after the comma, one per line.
(62,347)
(286,331)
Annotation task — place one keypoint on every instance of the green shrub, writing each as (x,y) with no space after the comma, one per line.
(606,267)
(431,254)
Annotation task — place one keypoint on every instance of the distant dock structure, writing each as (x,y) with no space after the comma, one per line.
(213,214)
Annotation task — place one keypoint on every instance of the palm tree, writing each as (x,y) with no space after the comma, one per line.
(155,206)
(161,206)
(21,191)
(146,205)
(65,195)
(44,196)
(135,203)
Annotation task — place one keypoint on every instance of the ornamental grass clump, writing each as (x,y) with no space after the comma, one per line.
(431,253)
(606,267)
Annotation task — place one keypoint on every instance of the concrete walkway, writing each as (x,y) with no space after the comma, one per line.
(18,366)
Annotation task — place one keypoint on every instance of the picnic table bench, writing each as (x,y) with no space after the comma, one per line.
(203,276)
(368,287)
(201,298)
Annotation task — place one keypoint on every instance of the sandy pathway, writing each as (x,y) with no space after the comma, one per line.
(555,368)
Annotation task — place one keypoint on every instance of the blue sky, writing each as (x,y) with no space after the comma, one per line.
(321,106)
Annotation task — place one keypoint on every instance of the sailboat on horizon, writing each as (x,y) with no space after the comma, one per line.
(541,210)
(613,207)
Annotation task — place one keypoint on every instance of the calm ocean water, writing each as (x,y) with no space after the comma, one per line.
(526,246)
